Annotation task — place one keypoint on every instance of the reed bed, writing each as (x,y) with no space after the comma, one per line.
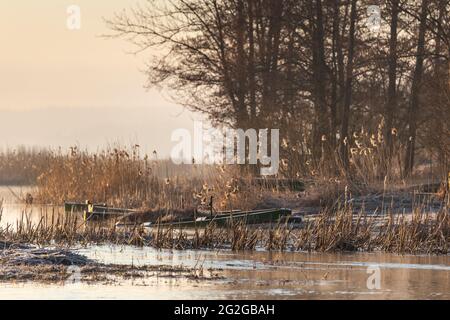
(330,231)
(122,177)
(125,177)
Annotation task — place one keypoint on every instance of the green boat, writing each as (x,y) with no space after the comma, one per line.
(99,211)
(102,212)
(76,207)
(224,219)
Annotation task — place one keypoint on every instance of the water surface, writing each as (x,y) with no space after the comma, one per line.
(258,275)
(248,275)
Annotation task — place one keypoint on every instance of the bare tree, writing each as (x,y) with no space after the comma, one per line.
(310,68)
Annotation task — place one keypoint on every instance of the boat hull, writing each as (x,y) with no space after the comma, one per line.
(249,217)
(95,211)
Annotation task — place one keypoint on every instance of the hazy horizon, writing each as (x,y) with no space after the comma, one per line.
(49,74)
(89,128)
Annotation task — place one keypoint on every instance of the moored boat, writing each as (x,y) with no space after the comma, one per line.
(223,219)
(129,217)
(95,211)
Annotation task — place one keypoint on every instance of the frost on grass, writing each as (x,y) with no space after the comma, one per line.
(26,263)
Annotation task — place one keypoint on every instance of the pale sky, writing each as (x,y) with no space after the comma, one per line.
(60,87)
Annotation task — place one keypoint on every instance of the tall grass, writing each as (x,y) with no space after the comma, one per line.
(372,163)
(123,177)
(337,231)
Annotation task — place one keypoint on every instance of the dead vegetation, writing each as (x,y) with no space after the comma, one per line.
(340,229)
(420,232)
(360,212)
(123,177)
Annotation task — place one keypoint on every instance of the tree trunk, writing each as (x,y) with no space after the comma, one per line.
(391,104)
(348,87)
(270,58)
(251,63)
(242,114)
(319,80)
(415,93)
(335,83)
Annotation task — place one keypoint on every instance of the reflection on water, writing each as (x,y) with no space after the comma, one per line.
(14,210)
(259,275)
(253,275)
(12,194)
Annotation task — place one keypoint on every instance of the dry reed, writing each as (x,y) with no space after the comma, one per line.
(123,177)
(329,231)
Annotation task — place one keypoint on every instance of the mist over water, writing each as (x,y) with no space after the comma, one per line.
(94,128)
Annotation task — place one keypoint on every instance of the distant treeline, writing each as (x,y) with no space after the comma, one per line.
(22,165)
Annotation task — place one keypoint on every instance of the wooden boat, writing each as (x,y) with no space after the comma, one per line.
(73,207)
(102,212)
(223,219)
(95,211)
